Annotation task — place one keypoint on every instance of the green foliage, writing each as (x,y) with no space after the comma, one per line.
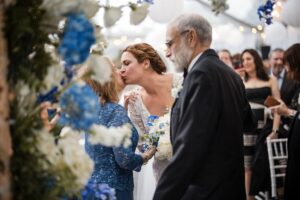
(28,66)
(25,40)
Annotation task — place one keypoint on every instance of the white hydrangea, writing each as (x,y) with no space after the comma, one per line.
(26,98)
(75,157)
(113,136)
(46,145)
(55,73)
(100,67)
(67,152)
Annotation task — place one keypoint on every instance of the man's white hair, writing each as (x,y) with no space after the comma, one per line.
(196,22)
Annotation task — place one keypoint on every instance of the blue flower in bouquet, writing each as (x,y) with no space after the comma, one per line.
(78,104)
(151,119)
(49,96)
(98,191)
(144,147)
(77,39)
(150,138)
(265,11)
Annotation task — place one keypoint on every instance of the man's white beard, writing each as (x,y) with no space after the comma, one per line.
(183,58)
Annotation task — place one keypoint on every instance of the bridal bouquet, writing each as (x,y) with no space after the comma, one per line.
(159,135)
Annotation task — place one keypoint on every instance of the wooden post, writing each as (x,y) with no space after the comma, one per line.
(5,140)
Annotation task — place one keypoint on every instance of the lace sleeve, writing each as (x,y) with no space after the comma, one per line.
(125,157)
(135,110)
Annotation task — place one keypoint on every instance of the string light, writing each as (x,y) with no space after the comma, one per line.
(259,27)
(241,28)
(254,30)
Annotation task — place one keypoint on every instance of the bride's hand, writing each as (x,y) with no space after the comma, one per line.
(129,98)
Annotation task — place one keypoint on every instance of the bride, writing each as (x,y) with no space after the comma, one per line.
(141,65)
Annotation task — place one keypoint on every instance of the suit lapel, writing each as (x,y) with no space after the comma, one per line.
(177,108)
(173,121)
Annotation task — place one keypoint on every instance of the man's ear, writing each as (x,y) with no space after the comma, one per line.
(192,38)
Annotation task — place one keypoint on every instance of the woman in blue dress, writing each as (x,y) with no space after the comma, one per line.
(114,165)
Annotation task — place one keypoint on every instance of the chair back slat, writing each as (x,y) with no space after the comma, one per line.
(278,154)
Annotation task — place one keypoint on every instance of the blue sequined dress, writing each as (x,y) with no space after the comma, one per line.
(114,165)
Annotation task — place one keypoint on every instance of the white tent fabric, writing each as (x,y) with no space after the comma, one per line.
(233,30)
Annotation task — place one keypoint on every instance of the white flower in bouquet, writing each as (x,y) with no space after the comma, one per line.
(177,87)
(164,148)
(76,158)
(161,127)
(112,136)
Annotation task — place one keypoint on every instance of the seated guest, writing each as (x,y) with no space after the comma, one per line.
(225,56)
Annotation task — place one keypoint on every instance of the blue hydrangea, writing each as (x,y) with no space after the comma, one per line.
(98,191)
(265,12)
(77,39)
(79,105)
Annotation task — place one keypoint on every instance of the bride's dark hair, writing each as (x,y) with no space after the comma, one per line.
(144,51)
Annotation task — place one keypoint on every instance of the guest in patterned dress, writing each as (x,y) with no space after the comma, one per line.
(114,165)
(258,87)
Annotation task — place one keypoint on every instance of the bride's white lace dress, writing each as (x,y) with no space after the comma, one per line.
(145,181)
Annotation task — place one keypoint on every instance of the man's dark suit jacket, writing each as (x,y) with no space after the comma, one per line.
(207,124)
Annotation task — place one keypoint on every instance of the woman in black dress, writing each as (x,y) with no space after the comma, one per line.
(258,87)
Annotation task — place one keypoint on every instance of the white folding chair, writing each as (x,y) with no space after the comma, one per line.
(278,154)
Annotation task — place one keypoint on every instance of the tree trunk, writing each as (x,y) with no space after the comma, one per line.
(5,140)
